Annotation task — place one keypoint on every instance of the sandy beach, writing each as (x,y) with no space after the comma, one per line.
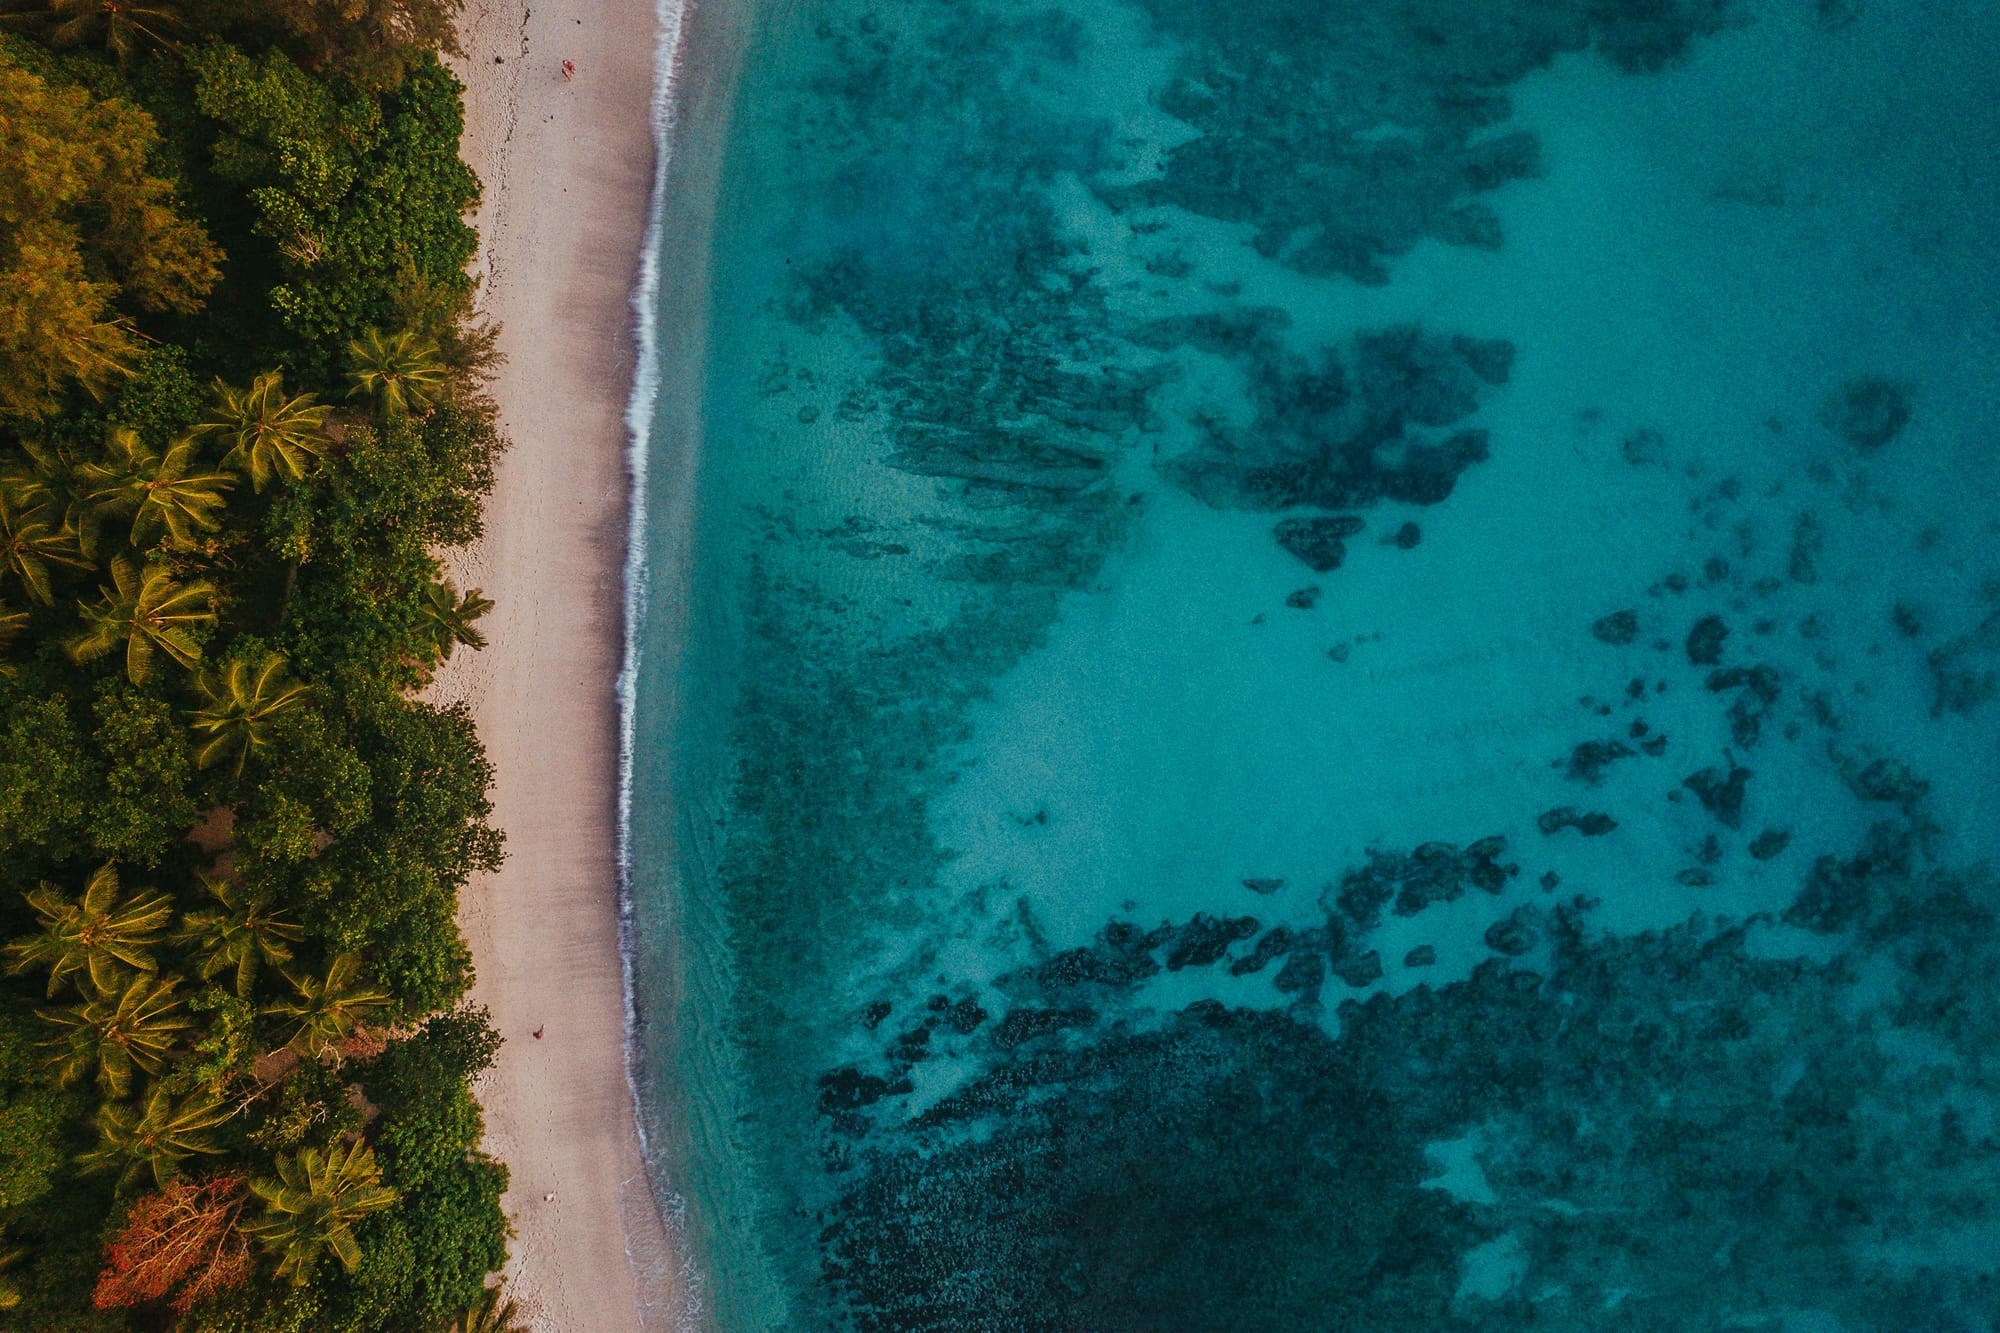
(567,165)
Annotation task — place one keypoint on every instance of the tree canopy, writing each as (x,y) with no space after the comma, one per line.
(234,1076)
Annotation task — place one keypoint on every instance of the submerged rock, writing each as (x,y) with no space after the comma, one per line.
(1591,824)
(1720,793)
(1618,629)
(1704,641)
(1319,542)
(1867,412)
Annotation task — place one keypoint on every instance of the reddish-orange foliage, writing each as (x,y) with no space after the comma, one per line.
(184,1235)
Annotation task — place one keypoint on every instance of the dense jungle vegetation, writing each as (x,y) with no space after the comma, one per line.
(241,408)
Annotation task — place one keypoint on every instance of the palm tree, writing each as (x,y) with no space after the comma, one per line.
(493,1312)
(30,539)
(401,371)
(242,700)
(145,610)
(314,1203)
(115,1033)
(11,623)
(57,483)
(122,27)
(328,1009)
(96,935)
(450,617)
(268,433)
(157,490)
(157,1135)
(10,1295)
(243,933)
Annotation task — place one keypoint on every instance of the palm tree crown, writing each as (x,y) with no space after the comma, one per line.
(268,434)
(244,932)
(314,1203)
(156,1135)
(96,935)
(328,1009)
(123,28)
(31,539)
(147,611)
(114,1034)
(158,490)
(400,371)
(242,700)
(493,1312)
(449,617)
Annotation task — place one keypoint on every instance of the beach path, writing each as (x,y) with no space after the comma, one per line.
(567,161)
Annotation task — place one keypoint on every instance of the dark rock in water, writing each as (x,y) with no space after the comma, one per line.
(1263,885)
(1840,894)
(1769,843)
(1358,972)
(1655,747)
(1704,641)
(1103,966)
(1761,681)
(1422,956)
(1302,974)
(1276,943)
(848,1089)
(1492,359)
(1341,431)
(1485,849)
(1807,541)
(1695,878)
(1644,446)
(1588,760)
(1338,652)
(1026,1024)
(1618,629)
(1205,939)
(1721,794)
(1867,412)
(1549,881)
(913,1045)
(872,1016)
(1590,824)
(966,1016)
(1889,781)
(1304,599)
(1513,936)
(1966,671)
(1406,537)
(1320,542)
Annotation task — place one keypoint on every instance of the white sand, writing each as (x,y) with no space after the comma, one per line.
(567,168)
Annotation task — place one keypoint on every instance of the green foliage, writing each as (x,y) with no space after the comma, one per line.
(345,187)
(84,226)
(231,842)
(34,1117)
(160,399)
(145,804)
(47,781)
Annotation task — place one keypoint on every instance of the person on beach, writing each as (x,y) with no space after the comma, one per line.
(538,1034)
(569,70)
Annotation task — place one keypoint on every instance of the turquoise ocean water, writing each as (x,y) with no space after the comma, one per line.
(1336,670)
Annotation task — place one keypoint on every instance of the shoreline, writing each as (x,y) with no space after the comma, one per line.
(568,169)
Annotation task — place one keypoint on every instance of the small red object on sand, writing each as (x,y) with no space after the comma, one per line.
(569,70)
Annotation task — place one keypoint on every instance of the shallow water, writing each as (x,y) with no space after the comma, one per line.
(1340,674)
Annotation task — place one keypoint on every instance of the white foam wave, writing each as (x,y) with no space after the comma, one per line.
(640,413)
